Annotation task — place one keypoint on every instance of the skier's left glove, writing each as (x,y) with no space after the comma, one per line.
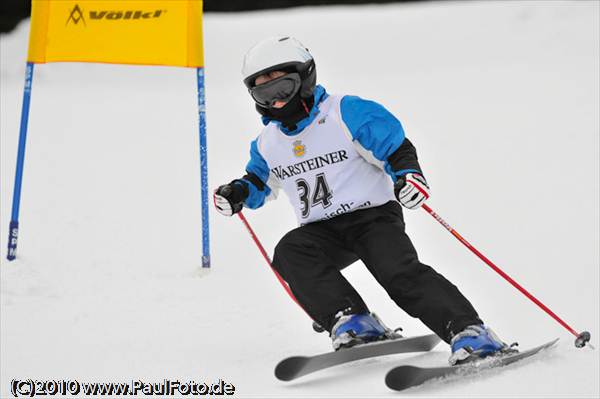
(411,190)
(229,198)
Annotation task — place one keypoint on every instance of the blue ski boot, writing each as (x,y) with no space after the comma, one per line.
(355,329)
(476,342)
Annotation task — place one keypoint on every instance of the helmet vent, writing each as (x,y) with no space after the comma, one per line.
(284,38)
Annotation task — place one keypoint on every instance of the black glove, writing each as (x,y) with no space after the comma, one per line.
(229,198)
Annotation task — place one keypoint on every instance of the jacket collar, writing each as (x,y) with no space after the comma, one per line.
(320,95)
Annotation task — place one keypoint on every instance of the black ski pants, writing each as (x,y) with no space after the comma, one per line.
(311,257)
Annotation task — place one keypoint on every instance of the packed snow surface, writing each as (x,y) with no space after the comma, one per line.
(502,102)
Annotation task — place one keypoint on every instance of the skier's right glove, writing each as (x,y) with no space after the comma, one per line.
(229,198)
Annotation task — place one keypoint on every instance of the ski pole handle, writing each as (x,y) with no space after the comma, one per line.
(582,338)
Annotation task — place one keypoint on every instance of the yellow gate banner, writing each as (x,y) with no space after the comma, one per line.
(148,32)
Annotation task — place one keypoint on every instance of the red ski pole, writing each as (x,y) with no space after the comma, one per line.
(582,338)
(264,254)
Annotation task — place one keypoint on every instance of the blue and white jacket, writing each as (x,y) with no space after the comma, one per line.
(344,141)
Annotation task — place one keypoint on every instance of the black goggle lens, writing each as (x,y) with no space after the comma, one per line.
(280,89)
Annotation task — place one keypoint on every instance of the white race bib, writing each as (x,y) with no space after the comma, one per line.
(323,172)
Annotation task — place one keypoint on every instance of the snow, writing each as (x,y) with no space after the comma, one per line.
(501,100)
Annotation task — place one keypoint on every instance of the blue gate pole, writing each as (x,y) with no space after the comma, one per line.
(13,229)
(203,169)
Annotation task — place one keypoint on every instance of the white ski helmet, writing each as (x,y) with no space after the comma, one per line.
(283,53)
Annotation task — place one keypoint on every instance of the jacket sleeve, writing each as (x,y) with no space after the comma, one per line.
(256,178)
(379,133)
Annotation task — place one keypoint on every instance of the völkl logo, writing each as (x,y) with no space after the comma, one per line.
(77,15)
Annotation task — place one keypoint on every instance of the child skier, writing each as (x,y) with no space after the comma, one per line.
(347,169)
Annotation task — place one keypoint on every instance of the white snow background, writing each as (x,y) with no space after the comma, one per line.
(501,100)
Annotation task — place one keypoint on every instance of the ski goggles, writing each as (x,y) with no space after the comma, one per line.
(283,88)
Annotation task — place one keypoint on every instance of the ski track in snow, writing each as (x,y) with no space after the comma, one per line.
(501,100)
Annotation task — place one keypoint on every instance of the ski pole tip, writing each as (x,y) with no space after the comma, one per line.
(583,339)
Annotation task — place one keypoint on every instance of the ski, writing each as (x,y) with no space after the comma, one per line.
(403,377)
(298,366)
